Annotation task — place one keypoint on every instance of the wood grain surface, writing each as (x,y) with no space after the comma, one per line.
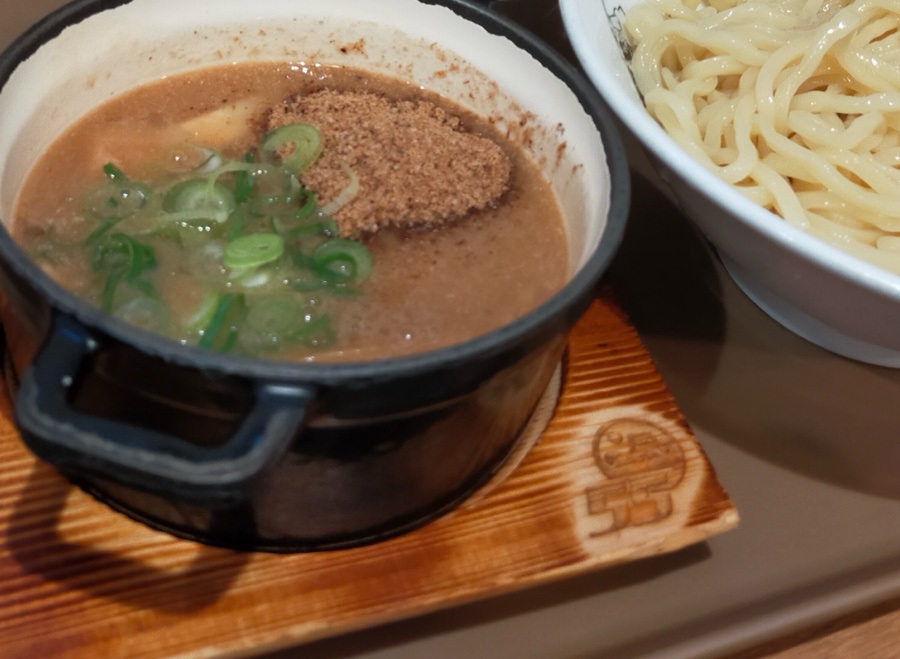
(870,632)
(608,472)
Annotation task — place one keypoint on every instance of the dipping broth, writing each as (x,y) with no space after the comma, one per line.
(418,286)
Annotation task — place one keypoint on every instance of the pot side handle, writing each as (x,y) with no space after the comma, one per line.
(85,445)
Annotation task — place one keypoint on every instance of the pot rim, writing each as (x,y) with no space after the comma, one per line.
(543,317)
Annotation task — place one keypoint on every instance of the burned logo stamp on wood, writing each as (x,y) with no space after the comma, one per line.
(643,463)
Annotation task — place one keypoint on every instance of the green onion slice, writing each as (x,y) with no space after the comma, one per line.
(346,195)
(146,312)
(199,198)
(274,315)
(116,198)
(122,258)
(113,173)
(307,200)
(316,332)
(203,314)
(100,230)
(243,182)
(339,260)
(253,250)
(305,140)
(118,252)
(303,228)
(221,332)
(211,162)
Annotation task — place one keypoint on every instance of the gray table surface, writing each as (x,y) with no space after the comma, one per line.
(806,443)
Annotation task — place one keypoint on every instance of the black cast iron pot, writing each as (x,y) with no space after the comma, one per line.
(255,454)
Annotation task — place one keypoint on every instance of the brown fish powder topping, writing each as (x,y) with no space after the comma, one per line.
(415,162)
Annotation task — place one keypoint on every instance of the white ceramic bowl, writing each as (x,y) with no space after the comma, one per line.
(822,294)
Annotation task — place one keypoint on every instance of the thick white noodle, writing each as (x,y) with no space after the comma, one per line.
(794,102)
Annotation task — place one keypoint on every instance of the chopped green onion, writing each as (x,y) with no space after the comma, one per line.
(316,332)
(205,262)
(278,193)
(346,195)
(105,225)
(203,314)
(145,312)
(238,222)
(308,207)
(123,259)
(304,140)
(211,162)
(220,334)
(304,228)
(117,198)
(198,199)
(297,206)
(254,279)
(249,232)
(307,280)
(274,313)
(122,253)
(113,173)
(339,260)
(253,250)
(243,182)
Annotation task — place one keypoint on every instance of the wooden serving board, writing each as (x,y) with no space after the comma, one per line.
(609,472)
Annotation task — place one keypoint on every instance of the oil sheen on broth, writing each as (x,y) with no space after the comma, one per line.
(430,286)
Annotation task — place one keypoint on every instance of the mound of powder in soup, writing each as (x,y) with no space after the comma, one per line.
(415,162)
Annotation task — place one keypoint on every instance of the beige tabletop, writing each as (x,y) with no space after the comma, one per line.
(806,443)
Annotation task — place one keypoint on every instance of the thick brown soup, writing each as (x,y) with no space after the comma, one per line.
(432,283)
